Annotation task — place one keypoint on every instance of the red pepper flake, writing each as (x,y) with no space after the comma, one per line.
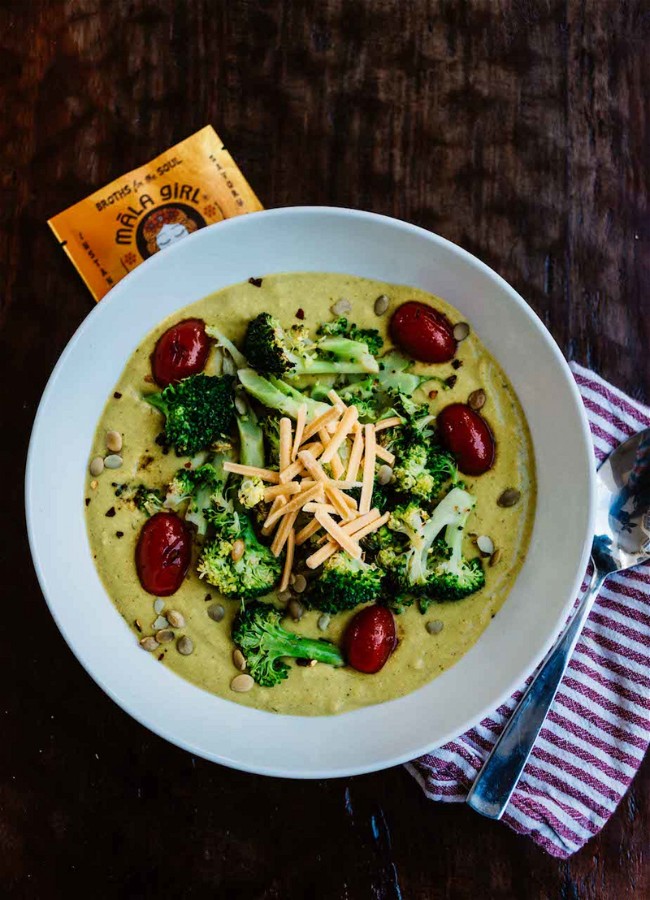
(110,512)
(117,395)
(161,657)
(119,534)
(300,314)
(188,465)
(451,381)
(256,282)
(149,379)
(87,501)
(433,395)
(138,625)
(456,363)
(208,597)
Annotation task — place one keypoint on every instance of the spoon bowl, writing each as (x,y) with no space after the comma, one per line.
(621,541)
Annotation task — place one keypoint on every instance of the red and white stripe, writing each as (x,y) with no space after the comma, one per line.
(598,728)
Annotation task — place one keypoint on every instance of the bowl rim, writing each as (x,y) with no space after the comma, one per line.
(114,297)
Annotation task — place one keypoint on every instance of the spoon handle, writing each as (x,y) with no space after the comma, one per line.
(491,792)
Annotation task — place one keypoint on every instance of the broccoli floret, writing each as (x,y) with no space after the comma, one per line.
(276,394)
(253,574)
(148,500)
(264,642)
(202,488)
(274,351)
(198,411)
(421,470)
(344,583)
(410,565)
(251,492)
(342,328)
(422,467)
(364,394)
(452,576)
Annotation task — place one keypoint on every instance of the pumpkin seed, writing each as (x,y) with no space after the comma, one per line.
(341,307)
(284,596)
(113,441)
(381,305)
(149,643)
(509,497)
(97,466)
(241,683)
(323,622)
(299,583)
(237,550)
(176,619)
(113,461)
(216,612)
(476,399)
(185,645)
(238,659)
(435,626)
(385,474)
(485,544)
(496,556)
(164,636)
(461,330)
(296,610)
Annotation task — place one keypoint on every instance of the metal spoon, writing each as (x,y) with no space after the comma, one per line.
(622,540)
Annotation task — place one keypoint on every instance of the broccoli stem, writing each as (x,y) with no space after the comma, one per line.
(277,395)
(156,400)
(251,438)
(306,648)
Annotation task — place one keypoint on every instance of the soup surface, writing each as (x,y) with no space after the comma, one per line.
(114,525)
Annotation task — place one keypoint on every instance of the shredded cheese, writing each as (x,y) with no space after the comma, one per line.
(392,422)
(285,443)
(337,499)
(337,466)
(339,536)
(368,470)
(252,471)
(293,505)
(355,456)
(301,418)
(281,490)
(277,504)
(345,426)
(288,560)
(305,533)
(296,468)
(320,421)
(307,458)
(384,454)
(371,526)
(283,532)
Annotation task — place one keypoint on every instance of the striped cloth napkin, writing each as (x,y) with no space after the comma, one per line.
(598,728)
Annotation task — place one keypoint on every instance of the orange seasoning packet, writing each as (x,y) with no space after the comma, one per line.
(112,231)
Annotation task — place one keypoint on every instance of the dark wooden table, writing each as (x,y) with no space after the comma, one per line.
(520,130)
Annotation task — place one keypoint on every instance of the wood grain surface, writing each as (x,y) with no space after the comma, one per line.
(520,130)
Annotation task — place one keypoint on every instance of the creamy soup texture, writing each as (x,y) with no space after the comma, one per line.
(113,526)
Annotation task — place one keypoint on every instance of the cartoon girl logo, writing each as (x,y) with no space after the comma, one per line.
(166,225)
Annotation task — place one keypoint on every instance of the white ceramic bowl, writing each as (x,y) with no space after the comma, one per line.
(323,240)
